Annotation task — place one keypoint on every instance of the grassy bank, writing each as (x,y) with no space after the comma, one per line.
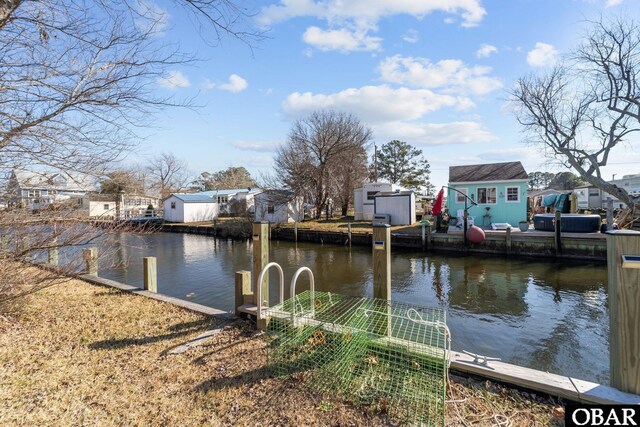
(78,354)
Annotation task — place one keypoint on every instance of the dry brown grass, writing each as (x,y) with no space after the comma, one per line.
(85,355)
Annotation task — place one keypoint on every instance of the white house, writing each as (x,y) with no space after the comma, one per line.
(35,190)
(238,201)
(363,198)
(104,205)
(278,206)
(399,205)
(190,208)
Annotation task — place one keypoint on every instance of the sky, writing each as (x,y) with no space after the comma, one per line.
(433,73)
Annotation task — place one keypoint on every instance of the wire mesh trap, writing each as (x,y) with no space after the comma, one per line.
(387,354)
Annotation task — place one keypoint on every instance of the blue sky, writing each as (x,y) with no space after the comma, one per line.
(434,73)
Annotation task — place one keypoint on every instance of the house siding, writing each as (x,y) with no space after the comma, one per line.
(501,211)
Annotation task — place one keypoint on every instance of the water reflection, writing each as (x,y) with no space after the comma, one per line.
(546,315)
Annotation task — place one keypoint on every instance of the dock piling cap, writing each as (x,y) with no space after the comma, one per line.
(382,226)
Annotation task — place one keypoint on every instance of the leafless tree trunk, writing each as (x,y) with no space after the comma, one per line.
(312,154)
(582,112)
(168,174)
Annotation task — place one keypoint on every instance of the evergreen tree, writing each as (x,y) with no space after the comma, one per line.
(403,164)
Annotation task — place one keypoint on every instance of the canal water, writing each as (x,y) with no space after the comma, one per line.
(547,315)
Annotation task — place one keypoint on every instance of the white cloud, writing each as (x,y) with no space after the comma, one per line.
(207,85)
(151,17)
(366,13)
(542,55)
(436,133)
(372,104)
(174,80)
(259,146)
(411,36)
(353,20)
(341,39)
(236,84)
(611,3)
(451,75)
(486,50)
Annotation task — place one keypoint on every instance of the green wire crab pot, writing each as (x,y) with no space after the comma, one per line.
(387,354)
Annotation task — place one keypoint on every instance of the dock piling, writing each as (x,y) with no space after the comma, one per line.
(244,295)
(557,236)
(261,232)
(508,241)
(150,274)
(90,256)
(382,274)
(623,260)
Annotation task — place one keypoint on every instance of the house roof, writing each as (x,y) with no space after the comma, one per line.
(506,171)
(194,198)
(62,181)
(229,192)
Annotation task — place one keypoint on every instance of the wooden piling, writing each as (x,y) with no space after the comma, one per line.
(624,310)
(150,274)
(609,213)
(90,256)
(261,256)
(382,262)
(557,236)
(424,237)
(52,256)
(244,295)
(508,241)
(429,230)
(295,231)
(349,232)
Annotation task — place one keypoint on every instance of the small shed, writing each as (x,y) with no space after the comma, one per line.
(190,208)
(278,206)
(238,201)
(363,198)
(399,205)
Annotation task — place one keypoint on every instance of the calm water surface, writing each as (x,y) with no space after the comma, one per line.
(545,315)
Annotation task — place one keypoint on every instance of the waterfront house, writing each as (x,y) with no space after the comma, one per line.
(39,189)
(498,189)
(364,198)
(278,206)
(190,208)
(238,201)
(105,205)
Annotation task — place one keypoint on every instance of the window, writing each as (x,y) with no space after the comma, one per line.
(594,193)
(486,195)
(460,198)
(270,208)
(106,206)
(371,195)
(223,199)
(173,205)
(513,194)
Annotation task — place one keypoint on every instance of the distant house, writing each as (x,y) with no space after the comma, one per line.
(36,190)
(399,205)
(190,208)
(499,189)
(363,198)
(239,201)
(278,206)
(105,205)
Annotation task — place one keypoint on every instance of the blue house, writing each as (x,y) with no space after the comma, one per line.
(499,189)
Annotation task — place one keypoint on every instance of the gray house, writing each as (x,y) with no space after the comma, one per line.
(35,190)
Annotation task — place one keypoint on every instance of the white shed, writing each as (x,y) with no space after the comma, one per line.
(278,206)
(399,205)
(237,201)
(363,199)
(189,208)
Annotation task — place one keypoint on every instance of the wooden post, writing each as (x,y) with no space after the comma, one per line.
(424,237)
(428,236)
(609,213)
(508,241)
(382,278)
(4,243)
(349,232)
(382,262)
(261,256)
(52,256)
(624,309)
(90,256)
(557,226)
(215,227)
(243,289)
(295,231)
(150,274)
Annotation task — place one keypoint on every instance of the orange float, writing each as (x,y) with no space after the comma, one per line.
(475,234)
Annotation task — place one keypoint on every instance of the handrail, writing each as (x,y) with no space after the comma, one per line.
(294,279)
(259,287)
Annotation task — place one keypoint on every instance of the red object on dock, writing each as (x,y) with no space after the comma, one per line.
(475,234)
(437,206)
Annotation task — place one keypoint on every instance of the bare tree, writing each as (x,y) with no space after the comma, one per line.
(580,113)
(77,79)
(128,180)
(307,163)
(168,174)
